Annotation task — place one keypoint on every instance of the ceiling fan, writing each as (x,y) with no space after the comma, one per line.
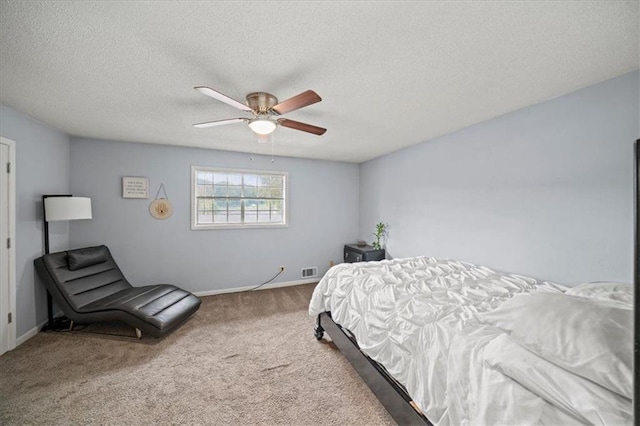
(265,109)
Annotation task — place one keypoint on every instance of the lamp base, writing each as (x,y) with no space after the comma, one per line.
(57,324)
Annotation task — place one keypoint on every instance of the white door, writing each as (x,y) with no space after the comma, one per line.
(7,246)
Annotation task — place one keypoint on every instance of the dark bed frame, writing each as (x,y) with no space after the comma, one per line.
(395,398)
(388,391)
(636,288)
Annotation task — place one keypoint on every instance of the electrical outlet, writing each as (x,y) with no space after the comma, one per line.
(282,269)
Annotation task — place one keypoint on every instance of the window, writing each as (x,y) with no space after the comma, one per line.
(225,198)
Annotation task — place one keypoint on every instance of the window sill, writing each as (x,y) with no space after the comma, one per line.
(238,226)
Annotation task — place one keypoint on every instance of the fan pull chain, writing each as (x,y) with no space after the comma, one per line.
(272,145)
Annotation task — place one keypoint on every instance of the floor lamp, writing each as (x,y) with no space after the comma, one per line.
(59,208)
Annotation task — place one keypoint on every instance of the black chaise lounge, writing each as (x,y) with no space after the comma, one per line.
(89,287)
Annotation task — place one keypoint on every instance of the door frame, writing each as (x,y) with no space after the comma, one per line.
(11,251)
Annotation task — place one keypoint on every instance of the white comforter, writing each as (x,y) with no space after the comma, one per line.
(427,321)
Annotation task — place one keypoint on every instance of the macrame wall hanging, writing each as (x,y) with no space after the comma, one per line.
(161,208)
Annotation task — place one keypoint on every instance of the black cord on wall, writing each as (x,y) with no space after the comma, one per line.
(267,282)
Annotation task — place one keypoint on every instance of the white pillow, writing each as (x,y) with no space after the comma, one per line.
(602,290)
(580,397)
(590,338)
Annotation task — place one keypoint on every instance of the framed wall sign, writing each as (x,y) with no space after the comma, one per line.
(135,187)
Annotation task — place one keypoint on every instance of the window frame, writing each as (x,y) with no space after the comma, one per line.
(243,225)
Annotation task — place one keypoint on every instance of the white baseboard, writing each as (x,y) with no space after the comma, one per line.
(264,287)
(29,334)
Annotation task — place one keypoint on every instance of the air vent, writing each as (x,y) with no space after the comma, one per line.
(309,272)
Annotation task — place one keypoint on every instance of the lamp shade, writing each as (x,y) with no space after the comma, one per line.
(67,208)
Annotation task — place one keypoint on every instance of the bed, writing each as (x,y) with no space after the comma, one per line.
(464,344)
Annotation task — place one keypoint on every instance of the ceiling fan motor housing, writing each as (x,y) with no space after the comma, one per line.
(261,102)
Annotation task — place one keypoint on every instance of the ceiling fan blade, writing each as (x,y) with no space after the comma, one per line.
(219,122)
(221,97)
(292,124)
(298,101)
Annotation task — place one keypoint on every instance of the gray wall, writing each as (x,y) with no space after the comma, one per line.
(323,214)
(545,191)
(42,157)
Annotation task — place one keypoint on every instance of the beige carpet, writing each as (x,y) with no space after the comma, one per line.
(242,359)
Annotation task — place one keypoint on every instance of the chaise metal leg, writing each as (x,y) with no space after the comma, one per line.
(70,325)
(138,333)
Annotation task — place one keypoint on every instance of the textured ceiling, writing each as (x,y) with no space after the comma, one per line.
(391,74)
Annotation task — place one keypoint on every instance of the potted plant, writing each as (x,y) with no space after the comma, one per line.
(381,230)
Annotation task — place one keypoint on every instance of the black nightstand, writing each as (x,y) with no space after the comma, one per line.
(354,253)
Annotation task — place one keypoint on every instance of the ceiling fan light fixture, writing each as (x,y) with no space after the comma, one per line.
(262,125)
